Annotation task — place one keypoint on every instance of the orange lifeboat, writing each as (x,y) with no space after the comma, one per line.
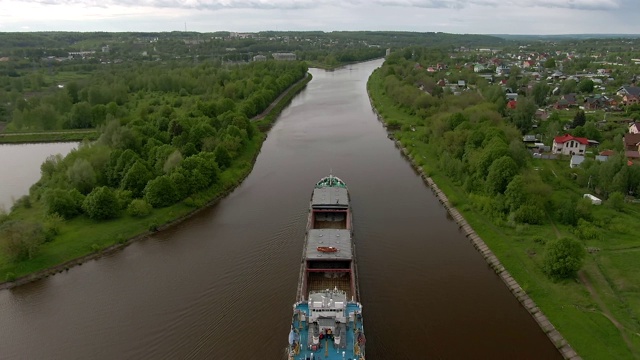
(327,249)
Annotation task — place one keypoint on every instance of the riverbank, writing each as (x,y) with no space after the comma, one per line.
(471,228)
(319,65)
(86,240)
(48,136)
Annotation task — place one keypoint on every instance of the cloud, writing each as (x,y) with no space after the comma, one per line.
(310,4)
(194,4)
(460,4)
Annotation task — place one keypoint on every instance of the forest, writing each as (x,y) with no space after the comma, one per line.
(171,136)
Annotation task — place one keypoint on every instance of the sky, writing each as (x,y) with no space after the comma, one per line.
(452,16)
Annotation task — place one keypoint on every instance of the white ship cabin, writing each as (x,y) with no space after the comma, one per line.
(328,315)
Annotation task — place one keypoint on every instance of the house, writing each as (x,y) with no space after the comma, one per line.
(284,56)
(259,58)
(462,84)
(595,103)
(478,67)
(512,104)
(561,104)
(512,96)
(632,155)
(634,128)
(631,141)
(628,90)
(571,99)
(629,99)
(503,69)
(576,160)
(541,114)
(601,158)
(569,145)
(594,200)
(431,69)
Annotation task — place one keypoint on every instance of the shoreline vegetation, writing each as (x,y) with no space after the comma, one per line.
(116,234)
(448,138)
(48,136)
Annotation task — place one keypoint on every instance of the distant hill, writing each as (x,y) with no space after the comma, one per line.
(567,36)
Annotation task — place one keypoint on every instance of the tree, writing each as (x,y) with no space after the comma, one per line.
(522,117)
(586,86)
(501,172)
(136,179)
(222,157)
(101,203)
(579,119)
(563,258)
(160,192)
(66,203)
(515,194)
(540,92)
(550,63)
(569,86)
(82,176)
(616,201)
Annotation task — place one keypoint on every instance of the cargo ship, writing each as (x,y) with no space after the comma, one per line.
(327,316)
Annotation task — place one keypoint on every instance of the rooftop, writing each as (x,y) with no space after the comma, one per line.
(336,238)
(330,197)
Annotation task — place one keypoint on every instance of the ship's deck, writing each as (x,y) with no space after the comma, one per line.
(328,350)
(319,282)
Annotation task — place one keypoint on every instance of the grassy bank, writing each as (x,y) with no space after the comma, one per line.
(597,314)
(56,136)
(81,238)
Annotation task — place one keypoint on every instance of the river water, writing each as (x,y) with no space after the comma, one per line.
(221,284)
(20,167)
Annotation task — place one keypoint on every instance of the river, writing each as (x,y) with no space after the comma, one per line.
(221,284)
(20,167)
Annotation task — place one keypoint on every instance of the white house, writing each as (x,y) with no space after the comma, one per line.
(569,145)
(634,128)
(594,200)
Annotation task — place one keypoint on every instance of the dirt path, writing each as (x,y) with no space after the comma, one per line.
(46,132)
(605,311)
(277,100)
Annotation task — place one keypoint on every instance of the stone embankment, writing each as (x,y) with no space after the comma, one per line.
(554,335)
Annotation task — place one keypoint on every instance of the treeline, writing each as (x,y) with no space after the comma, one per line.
(166,133)
(106,94)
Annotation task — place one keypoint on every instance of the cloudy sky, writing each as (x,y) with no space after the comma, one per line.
(455,16)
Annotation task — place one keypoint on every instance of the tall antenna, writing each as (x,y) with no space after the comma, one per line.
(185,26)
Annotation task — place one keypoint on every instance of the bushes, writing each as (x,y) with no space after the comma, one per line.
(139,208)
(160,192)
(101,203)
(66,203)
(529,214)
(563,258)
(20,240)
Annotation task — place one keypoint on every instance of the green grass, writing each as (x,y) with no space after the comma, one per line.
(17,138)
(614,271)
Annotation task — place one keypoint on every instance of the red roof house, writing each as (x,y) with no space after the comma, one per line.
(569,145)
